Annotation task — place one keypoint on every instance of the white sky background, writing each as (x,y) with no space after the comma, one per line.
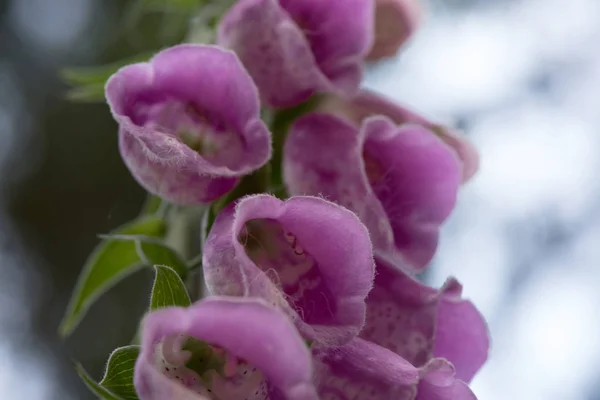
(539,169)
(539,160)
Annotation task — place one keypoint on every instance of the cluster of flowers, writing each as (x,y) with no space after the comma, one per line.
(313,296)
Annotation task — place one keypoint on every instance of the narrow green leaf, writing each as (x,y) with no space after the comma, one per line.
(118,377)
(84,76)
(98,390)
(176,5)
(89,93)
(168,289)
(110,262)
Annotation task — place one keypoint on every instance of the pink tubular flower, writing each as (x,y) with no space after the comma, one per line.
(368,103)
(395,23)
(420,323)
(189,122)
(223,349)
(294,48)
(402,182)
(310,257)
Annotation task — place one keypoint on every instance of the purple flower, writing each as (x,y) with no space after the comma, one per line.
(365,371)
(401,181)
(420,323)
(395,23)
(294,48)
(189,123)
(368,103)
(223,348)
(310,257)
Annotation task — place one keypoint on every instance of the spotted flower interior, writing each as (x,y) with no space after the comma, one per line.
(281,256)
(208,369)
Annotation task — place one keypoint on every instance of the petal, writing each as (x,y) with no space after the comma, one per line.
(439,383)
(197,88)
(395,23)
(323,155)
(269,342)
(363,371)
(416,177)
(306,255)
(419,322)
(273,49)
(401,314)
(368,103)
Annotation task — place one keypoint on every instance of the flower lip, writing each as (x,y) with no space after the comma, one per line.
(269,342)
(316,265)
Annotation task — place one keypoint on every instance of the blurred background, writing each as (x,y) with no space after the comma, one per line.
(520,77)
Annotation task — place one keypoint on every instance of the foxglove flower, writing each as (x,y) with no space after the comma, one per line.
(365,371)
(189,123)
(223,349)
(395,23)
(420,323)
(310,257)
(401,181)
(294,48)
(368,103)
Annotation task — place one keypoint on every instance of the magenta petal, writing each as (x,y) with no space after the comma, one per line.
(416,178)
(419,322)
(401,181)
(438,382)
(189,122)
(269,343)
(293,49)
(363,371)
(306,255)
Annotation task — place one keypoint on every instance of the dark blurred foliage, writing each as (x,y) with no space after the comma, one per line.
(80,188)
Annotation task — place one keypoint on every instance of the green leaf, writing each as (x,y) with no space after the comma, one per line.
(88,82)
(110,262)
(98,390)
(83,76)
(118,377)
(168,289)
(182,5)
(84,94)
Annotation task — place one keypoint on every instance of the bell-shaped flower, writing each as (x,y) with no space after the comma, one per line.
(401,181)
(420,323)
(367,103)
(189,122)
(294,48)
(395,23)
(365,371)
(310,257)
(223,349)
